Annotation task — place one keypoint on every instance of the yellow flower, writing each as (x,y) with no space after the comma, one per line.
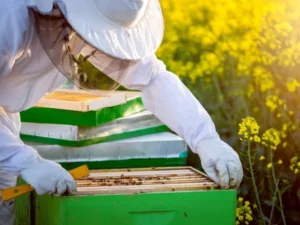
(249,217)
(269,165)
(284,144)
(295,164)
(271,138)
(291,113)
(292,167)
(249,129)
(294,159)
(254,206)
(262,158)
(279,161)
(287,127)
(272,102)
(243,211)
(256,139)
(292,85)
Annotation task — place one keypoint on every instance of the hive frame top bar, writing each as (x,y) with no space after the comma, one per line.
(144,180)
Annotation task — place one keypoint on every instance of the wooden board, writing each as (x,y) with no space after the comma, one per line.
(77,100)
(73,97)
(143,180)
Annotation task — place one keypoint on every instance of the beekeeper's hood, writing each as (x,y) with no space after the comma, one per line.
(111,34)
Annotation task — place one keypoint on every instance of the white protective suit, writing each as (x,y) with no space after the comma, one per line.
(24,80)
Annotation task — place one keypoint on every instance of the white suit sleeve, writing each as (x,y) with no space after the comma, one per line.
(43,175)
(13,152)
(12,26)
(168,99)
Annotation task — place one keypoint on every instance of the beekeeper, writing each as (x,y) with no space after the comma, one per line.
(45,42)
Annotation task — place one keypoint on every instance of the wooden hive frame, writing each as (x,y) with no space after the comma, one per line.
(133,181)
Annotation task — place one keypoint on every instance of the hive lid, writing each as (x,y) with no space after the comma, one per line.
(145,180)
(82,101)
(83,110)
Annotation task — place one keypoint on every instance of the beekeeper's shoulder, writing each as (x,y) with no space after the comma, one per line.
(14,10)
(14,24)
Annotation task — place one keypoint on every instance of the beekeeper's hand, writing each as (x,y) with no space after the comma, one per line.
(46,177)
(220,162)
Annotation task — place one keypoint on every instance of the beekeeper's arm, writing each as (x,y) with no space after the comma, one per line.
(167,97)
(16,157)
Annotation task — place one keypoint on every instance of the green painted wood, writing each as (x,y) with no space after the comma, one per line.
(90,118)
(211,207)
(23,209)
(81,143)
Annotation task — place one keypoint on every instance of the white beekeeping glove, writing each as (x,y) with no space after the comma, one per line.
(220,162)
(20,159)
(46,177)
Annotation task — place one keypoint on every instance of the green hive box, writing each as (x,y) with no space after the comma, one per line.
(88,118)
(163,207)
(190,208)
(161,149)
(138,124)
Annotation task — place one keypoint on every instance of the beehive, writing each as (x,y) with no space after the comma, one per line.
(153,196)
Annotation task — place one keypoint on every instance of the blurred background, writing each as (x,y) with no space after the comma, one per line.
(241,59)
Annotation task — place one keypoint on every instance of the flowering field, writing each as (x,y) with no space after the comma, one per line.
(241,59)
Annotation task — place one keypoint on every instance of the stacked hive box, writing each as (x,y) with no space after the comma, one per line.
(113,130)
(137,124)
